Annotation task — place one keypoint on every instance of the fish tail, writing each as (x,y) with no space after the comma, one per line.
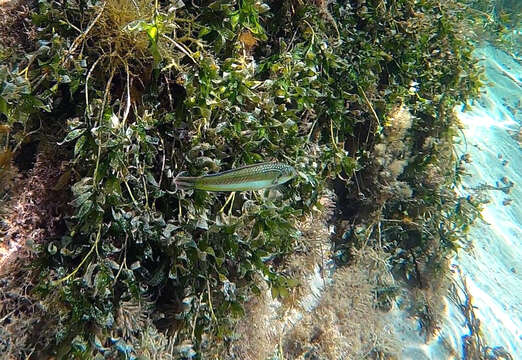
(185,182)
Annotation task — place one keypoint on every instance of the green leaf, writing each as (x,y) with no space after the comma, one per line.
(79,145)
(222,277)
(79,344)
(72,135)
(237,310)
(112,264)
(204,31)
(275,292)
(283,292)
(84,208)
(51,248)
(65,79)
(3,106)
(113,186)
(291,282)
(210,251)
(152,31)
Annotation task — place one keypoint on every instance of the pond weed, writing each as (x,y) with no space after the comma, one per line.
(137,92)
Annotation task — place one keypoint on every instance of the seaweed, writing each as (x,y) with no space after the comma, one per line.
(133,93)
(474,346)
(495,22)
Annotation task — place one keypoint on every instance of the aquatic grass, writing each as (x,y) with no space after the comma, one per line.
(474,346)
(345,322)
(134,97)
(496,22)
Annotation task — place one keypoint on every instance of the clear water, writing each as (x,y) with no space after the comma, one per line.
(492,267)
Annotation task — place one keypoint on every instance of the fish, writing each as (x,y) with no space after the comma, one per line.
(249,177)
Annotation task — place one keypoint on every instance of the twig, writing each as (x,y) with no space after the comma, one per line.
(124,263)
(26,69)
(107,88)
(178,45)
(197,314)
(334,143)
(210,303)
(230,197)
(93,247)
(82,36)
(313,37)
(162,161)
(87,84)
(146,192)
(130,192)
(128,105)
(9,314)
(171,102)
(370,105)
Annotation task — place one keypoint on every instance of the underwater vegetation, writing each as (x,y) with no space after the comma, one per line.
(473,344)
(497,22)
(105,105)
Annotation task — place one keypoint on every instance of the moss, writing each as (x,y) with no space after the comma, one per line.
(18,33)
(336,319)
(345,324)
(33,219)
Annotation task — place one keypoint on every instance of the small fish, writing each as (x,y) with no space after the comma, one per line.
(250,177)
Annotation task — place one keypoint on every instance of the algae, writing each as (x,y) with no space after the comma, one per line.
(131,93)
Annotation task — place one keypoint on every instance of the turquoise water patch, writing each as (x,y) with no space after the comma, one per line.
(492,264)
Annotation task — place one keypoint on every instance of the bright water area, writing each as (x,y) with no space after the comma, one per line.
(492,265)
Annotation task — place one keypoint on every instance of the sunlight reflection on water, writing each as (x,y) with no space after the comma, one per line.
(493,265)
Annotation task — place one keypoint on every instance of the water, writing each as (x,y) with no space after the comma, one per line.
(492,266)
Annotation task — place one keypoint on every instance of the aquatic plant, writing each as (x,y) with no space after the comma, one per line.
(134,94)
(473,343)
(325,315)
(345,323)
(497,22)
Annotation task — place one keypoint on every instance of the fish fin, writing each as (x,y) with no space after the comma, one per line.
(282,188)
(184,182)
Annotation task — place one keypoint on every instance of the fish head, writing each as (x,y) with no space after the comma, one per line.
(287,173)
